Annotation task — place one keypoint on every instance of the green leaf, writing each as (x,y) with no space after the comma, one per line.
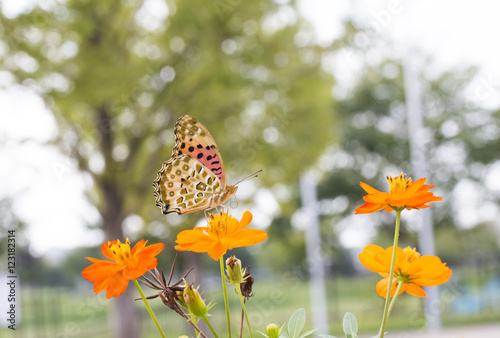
(296,323)
(327,336)
(308,333)
(262,333)
(350,326)
(284,335)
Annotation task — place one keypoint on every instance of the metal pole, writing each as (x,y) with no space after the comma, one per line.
(418,141)
(313,251)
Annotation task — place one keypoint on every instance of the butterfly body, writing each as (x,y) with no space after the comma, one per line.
(193,178)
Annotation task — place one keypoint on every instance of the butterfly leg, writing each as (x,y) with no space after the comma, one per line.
(209,214)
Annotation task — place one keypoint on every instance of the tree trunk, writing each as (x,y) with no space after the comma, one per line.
(124,318)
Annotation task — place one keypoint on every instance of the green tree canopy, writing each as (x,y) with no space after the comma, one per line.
(117,74)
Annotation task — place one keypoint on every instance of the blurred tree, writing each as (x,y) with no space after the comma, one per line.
(461,138)
(117,74)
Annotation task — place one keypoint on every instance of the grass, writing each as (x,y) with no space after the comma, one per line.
(56,312)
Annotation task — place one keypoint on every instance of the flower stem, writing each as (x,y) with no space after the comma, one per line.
(244,309)
(393,300)
(222,275)
(149,308)
(194,323)
(210,326)
(391,273)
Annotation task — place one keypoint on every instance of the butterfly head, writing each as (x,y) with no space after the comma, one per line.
(231,190)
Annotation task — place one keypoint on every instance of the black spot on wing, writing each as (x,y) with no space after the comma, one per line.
(191,149)
(200,155)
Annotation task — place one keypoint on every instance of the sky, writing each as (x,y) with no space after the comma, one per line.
(49,193)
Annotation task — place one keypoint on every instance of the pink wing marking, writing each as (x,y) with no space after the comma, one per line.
(206,156)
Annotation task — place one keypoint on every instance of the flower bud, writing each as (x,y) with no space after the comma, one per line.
(194,302)
(234,272)
(179,297)
(273,331)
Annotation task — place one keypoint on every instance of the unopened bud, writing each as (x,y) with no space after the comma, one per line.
(273,331)
(234,272)
(194,302)
(179,297)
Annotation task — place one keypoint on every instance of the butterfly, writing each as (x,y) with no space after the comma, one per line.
(193,178)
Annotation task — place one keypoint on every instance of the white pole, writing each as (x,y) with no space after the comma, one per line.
(313,251)
(418,142)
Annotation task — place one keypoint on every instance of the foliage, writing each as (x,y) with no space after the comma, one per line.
(296,324)
(459,138)
(349,325)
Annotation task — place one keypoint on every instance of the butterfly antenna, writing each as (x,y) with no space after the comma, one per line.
(255,174)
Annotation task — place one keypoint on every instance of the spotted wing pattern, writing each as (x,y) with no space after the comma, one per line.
(194,177)
(185,185)
(193,139)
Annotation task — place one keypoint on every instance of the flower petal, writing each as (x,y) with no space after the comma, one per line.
(415,290)
(367,258)
(217,251)
(117,285)
(368,188)
(247,237)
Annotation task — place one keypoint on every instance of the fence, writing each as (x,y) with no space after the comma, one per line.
(471,296)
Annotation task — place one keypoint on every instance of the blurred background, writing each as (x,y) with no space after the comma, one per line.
(318,94)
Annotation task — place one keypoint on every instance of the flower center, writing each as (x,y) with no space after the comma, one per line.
(399,184)
(217,225)
(121,251)
(411,254)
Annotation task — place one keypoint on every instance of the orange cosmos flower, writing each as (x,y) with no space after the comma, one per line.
(404,194)
(126,265)
(411,269)
(222,233)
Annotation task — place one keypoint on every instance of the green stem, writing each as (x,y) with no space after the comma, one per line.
(222,275)
(393,300)
(391,273)
(244,309)
(149,308)
(194,323)
(210,326)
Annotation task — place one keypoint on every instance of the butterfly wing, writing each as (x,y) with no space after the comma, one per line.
(193,139)
(184,185)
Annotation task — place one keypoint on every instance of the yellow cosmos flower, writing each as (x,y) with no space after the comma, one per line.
(222,233)
(411,269)
(404,194)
